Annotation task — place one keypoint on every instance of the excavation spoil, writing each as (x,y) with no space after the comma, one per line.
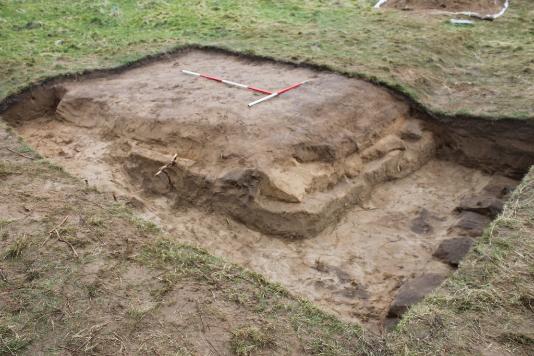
(483,7)
(338,189)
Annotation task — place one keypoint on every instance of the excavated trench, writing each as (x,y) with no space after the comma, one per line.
(338,190)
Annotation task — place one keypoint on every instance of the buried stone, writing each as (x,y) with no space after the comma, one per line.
(414,291)
(452,251)
(500,187)
(485,205)
(470,224)
(421,225)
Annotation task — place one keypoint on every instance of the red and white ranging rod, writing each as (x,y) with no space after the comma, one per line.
(275,94)
(270,94)
(234,84)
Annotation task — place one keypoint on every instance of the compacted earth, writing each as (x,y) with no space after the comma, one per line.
(338,190)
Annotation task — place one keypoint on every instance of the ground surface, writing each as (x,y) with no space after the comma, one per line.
(486,308)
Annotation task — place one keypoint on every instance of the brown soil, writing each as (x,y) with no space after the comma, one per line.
(107,301)
(484,7)
(365,187)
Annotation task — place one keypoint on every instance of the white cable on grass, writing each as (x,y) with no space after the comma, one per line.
(380,3)
(486,17)
(466,13)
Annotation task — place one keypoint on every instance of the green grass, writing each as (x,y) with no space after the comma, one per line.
(10,342)
(484,70)
(16,249)
(144,226)
(248,340)
(320,333)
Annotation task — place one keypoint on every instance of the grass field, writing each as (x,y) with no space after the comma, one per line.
(485,70)
(46,291)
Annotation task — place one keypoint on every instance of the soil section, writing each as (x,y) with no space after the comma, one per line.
(342,168)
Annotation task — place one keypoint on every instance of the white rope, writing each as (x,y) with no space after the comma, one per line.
(486,17)
(466,13)
(380,3)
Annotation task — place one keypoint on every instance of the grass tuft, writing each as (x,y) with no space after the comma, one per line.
(247,340)
(16,249)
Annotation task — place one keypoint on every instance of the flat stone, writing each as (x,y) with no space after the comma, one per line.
(311,152)
(500,186)
(487,205)
(470,224)
(383,169)
(391,323)
(414,291)
(452,251)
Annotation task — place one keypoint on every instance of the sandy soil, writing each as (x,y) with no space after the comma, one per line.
(354,268)
(107,301)
(484,7)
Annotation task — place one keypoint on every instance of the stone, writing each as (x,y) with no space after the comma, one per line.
(452,251)
(414,291)
(470,224)
(286,185)
(484,204)
(353,165)
(391,323)
(312,152)
(500,186)
(383,169)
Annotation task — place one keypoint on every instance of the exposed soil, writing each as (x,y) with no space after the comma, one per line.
(337,190)
(109,299)
(484,7)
